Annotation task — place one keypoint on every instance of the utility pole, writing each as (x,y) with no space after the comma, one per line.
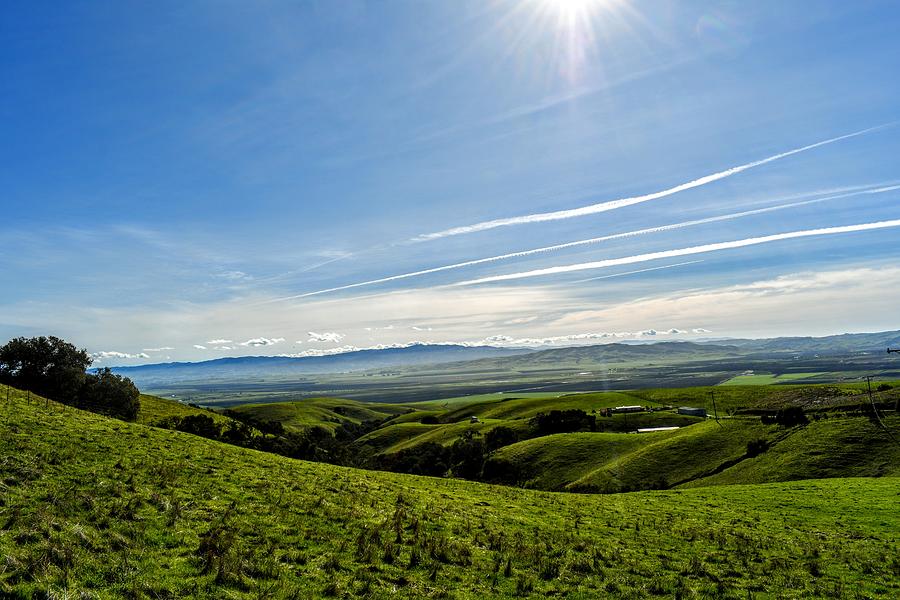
(715,411)
(869,387)
(897,402)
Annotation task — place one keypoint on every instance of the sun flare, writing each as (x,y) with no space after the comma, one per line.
(572,10)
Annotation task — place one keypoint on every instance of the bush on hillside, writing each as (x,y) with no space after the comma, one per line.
(500,436)
(202,425)
(756,447)
(109,394)
(563,421)
(467,455)
(787,417)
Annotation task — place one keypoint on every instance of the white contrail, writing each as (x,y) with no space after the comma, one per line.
(596,240)
(635,272)
(639,258)
(623,202)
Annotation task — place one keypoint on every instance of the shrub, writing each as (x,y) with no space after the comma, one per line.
(756,447)
(499,437)
(113,395)
(563,421)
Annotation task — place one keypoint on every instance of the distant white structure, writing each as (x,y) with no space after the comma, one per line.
(474,419)
(691,411)
(628,409)
(653,429)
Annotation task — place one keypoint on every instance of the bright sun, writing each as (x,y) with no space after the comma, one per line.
(572,9)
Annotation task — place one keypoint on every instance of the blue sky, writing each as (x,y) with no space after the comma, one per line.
(175,175)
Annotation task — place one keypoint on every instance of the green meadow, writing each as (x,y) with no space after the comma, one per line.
(97,508)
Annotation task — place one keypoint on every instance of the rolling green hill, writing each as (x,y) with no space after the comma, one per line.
(322,412)
(611,459)
(703,454)
(155,409)
(97,508)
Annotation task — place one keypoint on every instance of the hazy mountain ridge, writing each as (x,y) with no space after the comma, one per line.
(834,344)
(280,366)
(422,357)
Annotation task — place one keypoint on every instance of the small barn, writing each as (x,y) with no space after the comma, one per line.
(691,411)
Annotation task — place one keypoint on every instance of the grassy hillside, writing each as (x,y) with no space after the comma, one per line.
(388,438)
(703,454)
(322,412)
(523,408)
(97,508)
(835,444)
(831,447)
(552,462)
(155,409)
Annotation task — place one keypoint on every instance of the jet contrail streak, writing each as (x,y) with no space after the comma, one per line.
(596,240)
(672,266)
(639,258)
(623,202)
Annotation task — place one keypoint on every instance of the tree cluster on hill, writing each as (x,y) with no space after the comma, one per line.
(563,421)
(56,369)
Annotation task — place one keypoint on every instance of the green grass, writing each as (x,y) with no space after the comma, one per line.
(768,378)
(97,508)
(524,408)
(322,412)
(831,447)
(155,409)
(447,434)
(555,461)
(392,437)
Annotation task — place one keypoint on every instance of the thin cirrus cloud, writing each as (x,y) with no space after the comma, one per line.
(639,258)
(875,189)
(218,342)
(160,349)
(623,202)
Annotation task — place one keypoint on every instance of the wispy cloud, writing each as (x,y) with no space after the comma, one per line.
(504,341)
(261,341)
(234,275)
(199,347)
(161,349)
(639,258)
(107,354)
(623,202)
(218,341)
(328,336)
(596,240)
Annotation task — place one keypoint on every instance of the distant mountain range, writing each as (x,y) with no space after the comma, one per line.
(832,344)
(418,356)
(264,367)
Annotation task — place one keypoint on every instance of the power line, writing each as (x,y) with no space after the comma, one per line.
(875,411)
